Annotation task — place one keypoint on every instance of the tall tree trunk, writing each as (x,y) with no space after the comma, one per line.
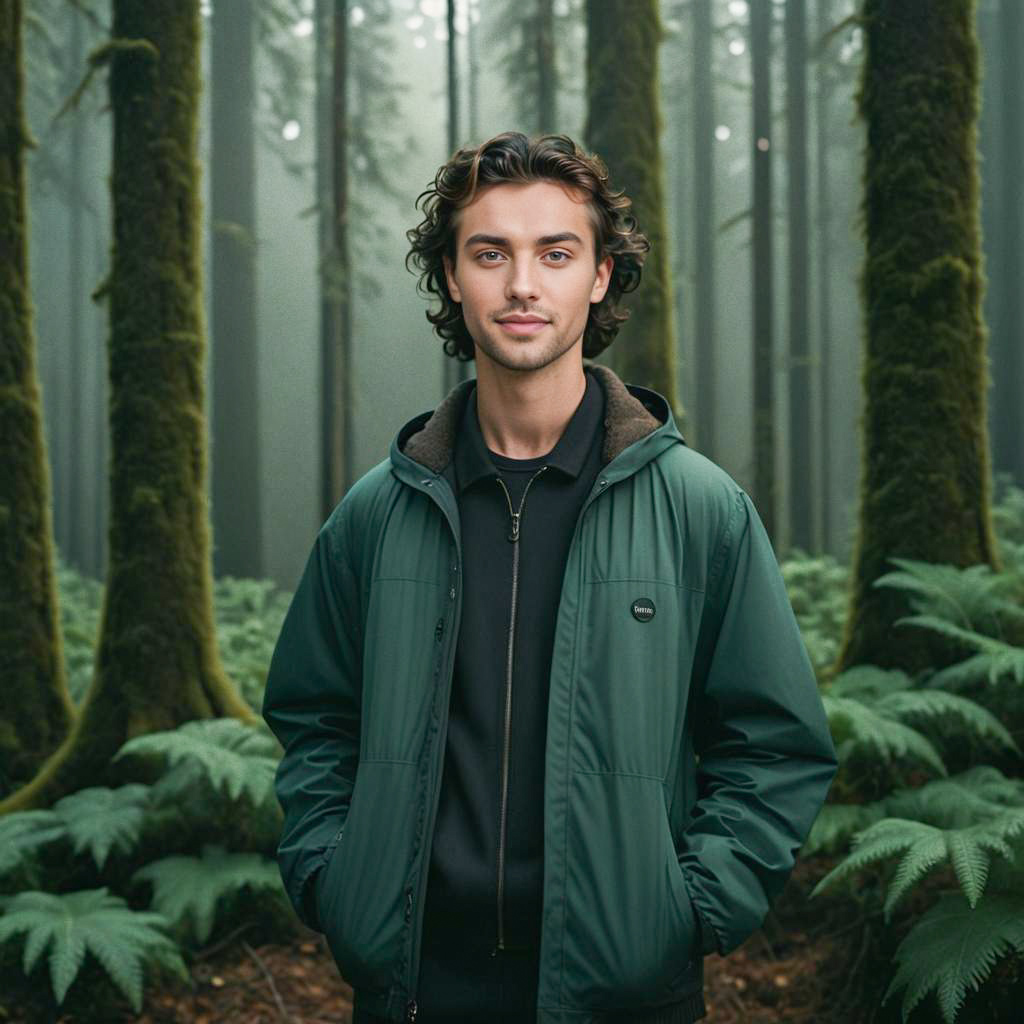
(624,128)
(336,304)
(157,665)
(547,110)
(925,479)
(237,506)
(703,91)
(455,370)
(801,469)
(473,76)
(75,553)
(823,103)
(1007,280)
(36,710)
(763,263)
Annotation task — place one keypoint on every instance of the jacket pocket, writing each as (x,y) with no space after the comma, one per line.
(630,929)
(362,900)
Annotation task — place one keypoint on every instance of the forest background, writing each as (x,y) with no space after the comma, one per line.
(833,309)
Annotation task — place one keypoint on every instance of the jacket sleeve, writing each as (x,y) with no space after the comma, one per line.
(766,757)
(311,704)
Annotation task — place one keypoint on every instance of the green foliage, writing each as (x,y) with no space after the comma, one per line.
(878,714)
(954,946)
(836,823)
(81,602)
(96,818)
(817,589)
(235,757)
(970,597)
(249,615)
(924,847)
(187,889)
(122,940)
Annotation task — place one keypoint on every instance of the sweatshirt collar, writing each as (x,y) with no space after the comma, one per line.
(473,458)
(631,412)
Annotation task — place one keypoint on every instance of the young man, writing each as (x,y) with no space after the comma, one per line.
(551,733)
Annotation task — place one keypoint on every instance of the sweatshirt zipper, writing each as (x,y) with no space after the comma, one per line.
(513,538)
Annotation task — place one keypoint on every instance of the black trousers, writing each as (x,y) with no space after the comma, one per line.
(470,986)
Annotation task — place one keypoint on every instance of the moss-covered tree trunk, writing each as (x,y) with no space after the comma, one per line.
(157,663)
(801,470)
(35,707)
(234,333)
(624,128)
(925,478)
(702,190)
(762,266)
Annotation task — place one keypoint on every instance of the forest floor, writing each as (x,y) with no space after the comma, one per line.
(798,969)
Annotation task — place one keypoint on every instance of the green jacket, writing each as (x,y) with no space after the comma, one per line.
(687,752)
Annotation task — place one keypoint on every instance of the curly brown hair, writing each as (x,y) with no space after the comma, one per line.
(512,157)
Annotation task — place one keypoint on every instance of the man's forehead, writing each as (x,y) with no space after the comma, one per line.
(507,208)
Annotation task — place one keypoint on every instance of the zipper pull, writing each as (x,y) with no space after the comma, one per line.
(514,535)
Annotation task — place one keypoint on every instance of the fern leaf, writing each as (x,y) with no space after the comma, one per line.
(877,842)
(972,796)
(92,920)
(21,832)
(836,823)
(99,819)
(189,887)
(235,757)
(932,704)
(857,725)
(954,947)
(963,595)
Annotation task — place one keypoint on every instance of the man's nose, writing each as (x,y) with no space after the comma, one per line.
(521,284)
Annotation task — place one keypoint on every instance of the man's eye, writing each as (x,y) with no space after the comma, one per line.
(488,252)
(558,252)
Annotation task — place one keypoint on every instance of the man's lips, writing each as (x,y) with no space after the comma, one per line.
(522,325)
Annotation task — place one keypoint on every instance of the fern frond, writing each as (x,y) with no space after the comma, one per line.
(857,726)
(836,823)
(975,795)
(924,847)
(21,832)
(189,887)
(866,682)
(101,818)
(94,921)
(235,757)
(908,705)
(966,596)
(994,660)
(954,947)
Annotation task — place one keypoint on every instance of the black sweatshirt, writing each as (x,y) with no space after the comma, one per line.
(461,907)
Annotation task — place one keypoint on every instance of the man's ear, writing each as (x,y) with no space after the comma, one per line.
(604,276)
(453,288)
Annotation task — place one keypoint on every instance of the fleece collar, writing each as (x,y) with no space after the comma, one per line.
(630,413)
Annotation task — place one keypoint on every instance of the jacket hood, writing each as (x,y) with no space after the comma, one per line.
(631,413)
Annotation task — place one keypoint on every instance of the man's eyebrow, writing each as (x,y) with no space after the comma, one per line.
(562,236)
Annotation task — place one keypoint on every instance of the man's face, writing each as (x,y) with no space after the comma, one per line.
(515,256)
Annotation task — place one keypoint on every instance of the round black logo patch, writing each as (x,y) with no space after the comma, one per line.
(643,609)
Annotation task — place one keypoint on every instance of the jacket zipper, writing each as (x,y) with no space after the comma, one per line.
(448,656)
(412,1007)
(513,537)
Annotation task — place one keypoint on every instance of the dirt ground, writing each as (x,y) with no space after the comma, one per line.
(792,971)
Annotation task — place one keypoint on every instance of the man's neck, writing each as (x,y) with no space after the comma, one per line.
(523,415)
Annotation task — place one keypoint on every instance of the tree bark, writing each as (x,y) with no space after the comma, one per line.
(624,128)
(157,665)
(36,711)
(925,477)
